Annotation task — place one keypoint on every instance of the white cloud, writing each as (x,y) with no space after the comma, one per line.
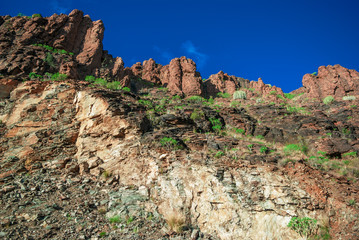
(192,51)
(55,5)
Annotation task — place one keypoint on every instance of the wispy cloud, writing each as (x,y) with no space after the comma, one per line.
(192,51)
(165,55)
(59,7)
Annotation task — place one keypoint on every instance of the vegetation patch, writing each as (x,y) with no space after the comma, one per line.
(239,95)
(304,226)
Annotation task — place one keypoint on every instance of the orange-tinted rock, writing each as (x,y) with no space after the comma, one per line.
(183,77)
(6,86)
(266,90)
(335,81)
(74,33)
(151,71)
(221,82)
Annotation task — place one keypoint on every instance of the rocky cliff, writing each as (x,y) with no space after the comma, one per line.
(166,155)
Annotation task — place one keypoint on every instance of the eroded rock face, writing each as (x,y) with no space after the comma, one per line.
(74,33)
(221,82)
(151,71)
(266,90)
(182,77)
(335,81)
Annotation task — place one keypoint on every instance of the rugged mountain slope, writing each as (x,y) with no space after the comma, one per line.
(155,160)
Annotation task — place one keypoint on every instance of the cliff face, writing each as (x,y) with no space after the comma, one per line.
(82,161)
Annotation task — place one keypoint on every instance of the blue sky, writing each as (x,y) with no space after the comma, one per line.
(279,41)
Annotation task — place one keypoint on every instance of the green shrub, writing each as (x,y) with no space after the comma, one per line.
(216,124)
(58,77)
(314,74)
(115,85)
(196,99)
(90,79)
(36,15)
(240,130)
(304,226)
(263,149)
(100,81)
(291,148)
(33,75)
(239,95)
(273,92)
(210,100)
(146,103)
(351,154)
(328,100)
(126,89)
(289,95)
(223,95)
(349,98)
(197,115)
(115,219)
(49,59)
(219,154)
(170,143)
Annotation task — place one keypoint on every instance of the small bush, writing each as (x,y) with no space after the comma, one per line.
(33,75)
(351,154)
(263,149)
(115,219)
(328,100)
(100,81)
(314,74)
(223,95)
(304,226)
(239,95)
(170,143)
(240,131)
(126,89)
(349,98)
(216,124)
(58,77)
(219,154)
(289,95)
(291,148)
(196,99)
(90,79)
(115,85)
(197,115)
(36,15)
(49,59)
(273,92)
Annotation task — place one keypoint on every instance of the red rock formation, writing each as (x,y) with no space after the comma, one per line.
(265,89)
(74,33)
(151,71)
(221,82)
(336,81)
(181,77)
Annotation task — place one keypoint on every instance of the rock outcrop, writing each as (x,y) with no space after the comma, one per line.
(335,81)
(221,82)
(74,33)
